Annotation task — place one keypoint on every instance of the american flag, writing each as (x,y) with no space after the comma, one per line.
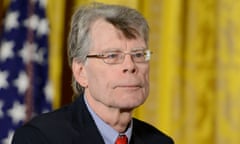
(25,90)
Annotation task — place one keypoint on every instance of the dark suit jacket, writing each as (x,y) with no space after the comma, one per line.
(73,124)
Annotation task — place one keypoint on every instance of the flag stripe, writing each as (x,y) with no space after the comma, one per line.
(24,84)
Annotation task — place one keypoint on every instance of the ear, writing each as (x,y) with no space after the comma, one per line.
(79,73)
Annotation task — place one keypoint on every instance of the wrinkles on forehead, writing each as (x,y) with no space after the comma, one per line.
(105,35)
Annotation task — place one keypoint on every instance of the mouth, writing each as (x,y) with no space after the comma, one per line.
(128,86)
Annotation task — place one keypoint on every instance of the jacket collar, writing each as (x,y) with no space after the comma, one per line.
(86,128)
(84,124)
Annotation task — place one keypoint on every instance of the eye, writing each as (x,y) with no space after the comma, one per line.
(139,54)
(112,55)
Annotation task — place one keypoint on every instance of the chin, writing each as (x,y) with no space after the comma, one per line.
(129,105)
(130,100)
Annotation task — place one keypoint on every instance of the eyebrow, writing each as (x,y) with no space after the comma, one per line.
(139,49)
(120,49)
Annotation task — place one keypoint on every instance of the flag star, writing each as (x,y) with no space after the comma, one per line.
(43,3)
(26,52)
(3,79)
(8,139)
(17,113)
(32,22)
(39,56)
(12,20)
(42,27)
(22,82)
(6,50)
(1,111)
(48,91)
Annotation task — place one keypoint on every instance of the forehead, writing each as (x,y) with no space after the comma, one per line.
(104,34)
(102,30)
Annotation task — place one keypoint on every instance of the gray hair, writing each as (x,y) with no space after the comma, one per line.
(128,20)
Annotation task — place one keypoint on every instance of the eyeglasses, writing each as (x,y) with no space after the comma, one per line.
(118,57)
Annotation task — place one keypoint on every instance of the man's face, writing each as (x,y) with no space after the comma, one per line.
(124,85)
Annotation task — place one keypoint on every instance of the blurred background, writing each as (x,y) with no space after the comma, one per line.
(195,68)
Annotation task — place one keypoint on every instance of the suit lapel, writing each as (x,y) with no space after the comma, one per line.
(85,128)
(84,124)
(135,139)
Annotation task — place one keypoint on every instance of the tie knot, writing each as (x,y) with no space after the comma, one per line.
(122,139)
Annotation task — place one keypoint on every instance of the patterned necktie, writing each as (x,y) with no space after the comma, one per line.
(122,139)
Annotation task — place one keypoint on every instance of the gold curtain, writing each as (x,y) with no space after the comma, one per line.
(195,88)
(56,14)
(228,68)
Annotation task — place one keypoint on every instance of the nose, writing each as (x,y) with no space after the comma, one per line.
(129,66)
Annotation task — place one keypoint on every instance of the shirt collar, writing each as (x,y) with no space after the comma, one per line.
(108,133)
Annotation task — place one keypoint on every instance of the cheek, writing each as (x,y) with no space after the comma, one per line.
(146,74)
(146,80)
(98,79)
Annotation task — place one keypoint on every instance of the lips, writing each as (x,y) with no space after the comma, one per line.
(132,86)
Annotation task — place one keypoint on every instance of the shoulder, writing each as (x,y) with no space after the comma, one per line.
(52,119)
(45,127)
(149,133)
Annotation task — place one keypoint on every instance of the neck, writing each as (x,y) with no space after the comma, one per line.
(118,119)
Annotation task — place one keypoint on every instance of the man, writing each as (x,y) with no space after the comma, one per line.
(109,57)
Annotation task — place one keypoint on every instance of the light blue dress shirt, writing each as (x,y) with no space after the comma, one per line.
(108,133)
